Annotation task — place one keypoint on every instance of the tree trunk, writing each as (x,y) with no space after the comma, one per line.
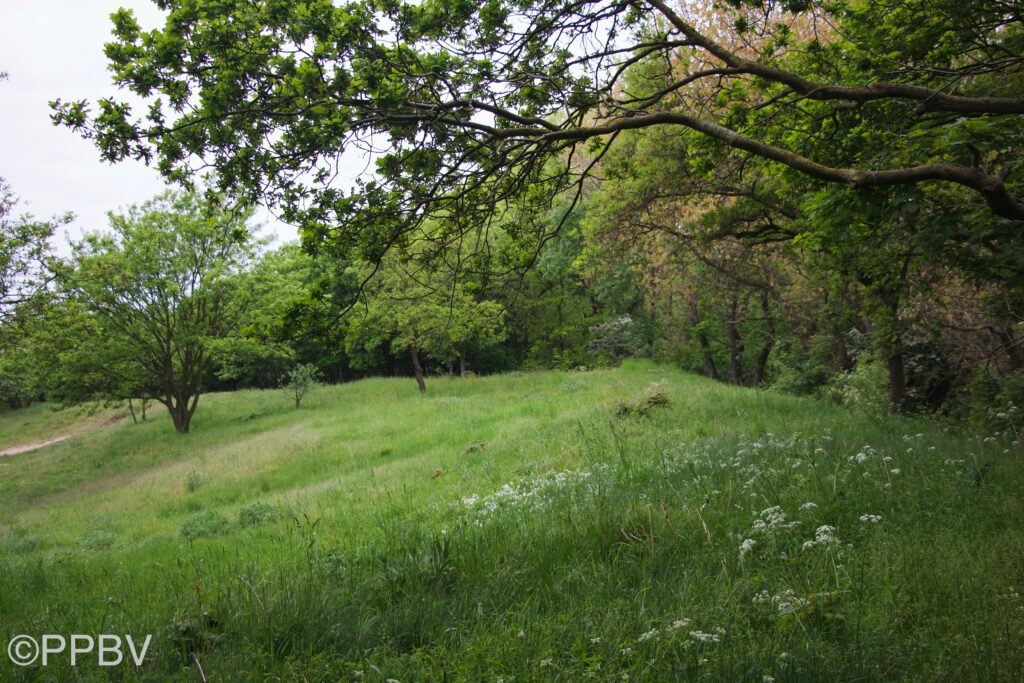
(462,362)
(892,346)
(182,408)
(735,343)
(417,369)
(897,381)
(843,357)
(766,350)
(702,337)
(179,416)
(131,409)
(1011,345)
(144,399)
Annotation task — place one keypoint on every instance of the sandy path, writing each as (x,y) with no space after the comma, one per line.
(25,448)
(14,450)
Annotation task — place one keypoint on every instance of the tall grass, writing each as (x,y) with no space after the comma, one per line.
(523,528)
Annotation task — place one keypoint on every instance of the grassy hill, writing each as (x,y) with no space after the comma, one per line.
(520,527)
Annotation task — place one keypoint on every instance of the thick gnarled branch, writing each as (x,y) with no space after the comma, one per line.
(930,99)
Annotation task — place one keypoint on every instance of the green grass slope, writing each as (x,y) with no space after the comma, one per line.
(521,527)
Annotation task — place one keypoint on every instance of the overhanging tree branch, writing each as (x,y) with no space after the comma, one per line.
(930,99)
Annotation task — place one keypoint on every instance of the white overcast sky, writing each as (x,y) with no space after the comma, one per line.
(54,49)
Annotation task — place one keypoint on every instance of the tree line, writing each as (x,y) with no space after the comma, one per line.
(822,197)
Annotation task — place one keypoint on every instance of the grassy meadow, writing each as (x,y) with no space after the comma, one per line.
(537,526)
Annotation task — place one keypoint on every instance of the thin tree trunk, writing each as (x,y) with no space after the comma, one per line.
(897,381)
(417,369)
(462,363)
(702,336)
(735,343)
(144,407)
(1014,353)
(843,357)
(892,346)
(762,358)
(131,409)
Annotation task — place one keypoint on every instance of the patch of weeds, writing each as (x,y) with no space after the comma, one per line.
(257,514)
(18,541)
(384,452)
(97,540)
(335,562)
(204,524)
(474,447)
(192,634)
(574,385)
(655,397)
(194,481)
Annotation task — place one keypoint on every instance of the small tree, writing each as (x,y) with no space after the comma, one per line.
(425,312)
(301,380)
(163,287)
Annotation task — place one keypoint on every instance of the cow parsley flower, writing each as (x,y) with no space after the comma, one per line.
(823,535)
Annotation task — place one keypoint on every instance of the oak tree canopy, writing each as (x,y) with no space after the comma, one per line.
(469,107)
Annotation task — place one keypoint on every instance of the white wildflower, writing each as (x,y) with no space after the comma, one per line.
(823,535)
(808,506)
(787,602)
(647,636)
(747,546)
(871,519)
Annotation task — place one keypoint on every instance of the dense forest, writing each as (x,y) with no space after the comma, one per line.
(811,197)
